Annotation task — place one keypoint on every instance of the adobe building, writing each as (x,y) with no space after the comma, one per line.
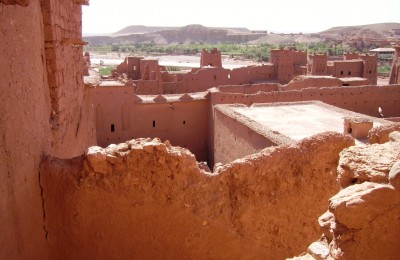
(181,118)
(150,78)
(288,63)
(64,197)
(211,58)
(240,130)
(394,77)
(353,65)
(119,106)
(119,110)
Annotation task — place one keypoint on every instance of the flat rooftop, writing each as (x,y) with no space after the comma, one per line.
(296,120)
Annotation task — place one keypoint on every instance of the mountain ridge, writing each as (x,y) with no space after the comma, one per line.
(199,33)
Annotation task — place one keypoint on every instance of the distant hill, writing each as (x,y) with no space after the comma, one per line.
(199,33)
(168,35)
(141,29)
(379,30)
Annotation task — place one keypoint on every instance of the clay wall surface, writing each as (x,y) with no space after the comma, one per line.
(149,69)
(370,70)
(133,69)
(347,69)
(250,88)
(300,58)
(174,87)
(167,77)
(204,79)
(183,122)
(285,63)
(354,82)
(251,74)
(70,104)
(197,80)
(148,87)
(318,64)
(363,99)
(44,110)
(233,139)
(351,56)
(394,77)
(144,199)
(301,82)
(24,116)
(211,58)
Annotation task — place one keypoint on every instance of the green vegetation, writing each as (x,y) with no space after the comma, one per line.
(172,68)
(106,71)
(255,52)
(385,69)
(260,52)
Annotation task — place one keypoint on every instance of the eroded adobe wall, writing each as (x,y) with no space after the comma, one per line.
(362,221)
(148,87)
(251,74)
(27,117)
(394,77)
(145,199)
(206,78)
(152,79)
(301,82)
(211,58)
(250,88)
(24,131)
(70,103)
(364,99)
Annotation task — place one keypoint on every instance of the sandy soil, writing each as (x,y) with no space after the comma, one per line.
(382,81)
(191,61)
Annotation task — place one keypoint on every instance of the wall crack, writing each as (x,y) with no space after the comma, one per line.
(46,232)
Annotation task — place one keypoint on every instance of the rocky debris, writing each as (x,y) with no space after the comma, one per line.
(319,249)
(366,199)
(363,218)
(365,223)
(380,134)
(394,136)
(115,158)
(394,176)
(367,163)
(303,256)
(97,160)
(325,221)
(203,166)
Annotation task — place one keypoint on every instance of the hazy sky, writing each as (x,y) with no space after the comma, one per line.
(107,16)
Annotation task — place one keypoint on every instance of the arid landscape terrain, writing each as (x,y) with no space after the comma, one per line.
(199,33)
